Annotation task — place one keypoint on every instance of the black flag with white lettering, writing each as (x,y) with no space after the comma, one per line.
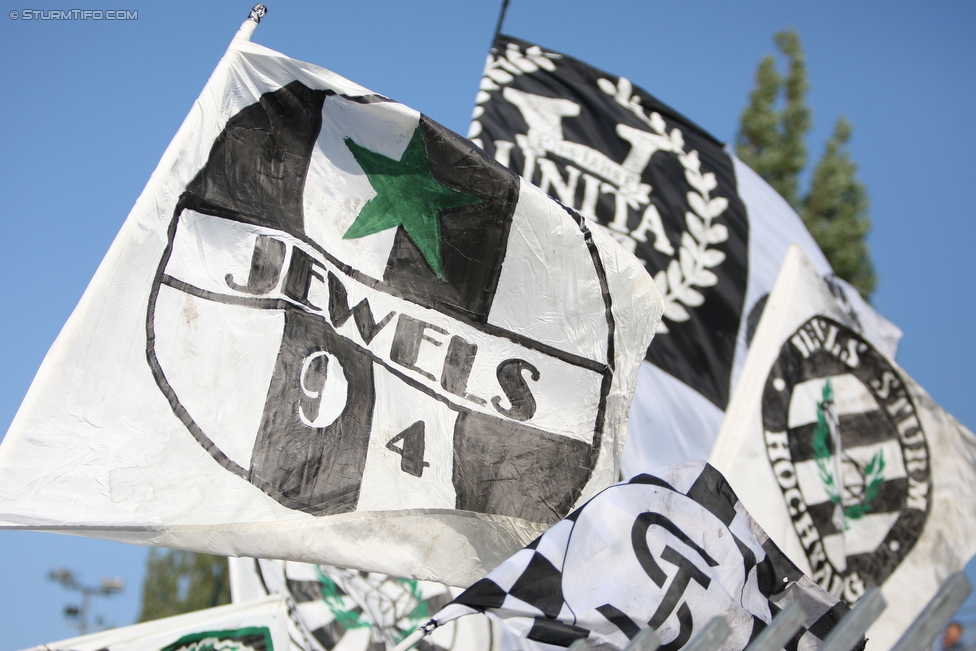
(668,551)
(709,231)
(661,185)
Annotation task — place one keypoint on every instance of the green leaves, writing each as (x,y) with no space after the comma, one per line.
(772,130)
(836,212)
(180,582)
(821,449)
(873,472)
(772,141)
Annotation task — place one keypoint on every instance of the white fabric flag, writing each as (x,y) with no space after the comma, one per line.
(709,230)
(668,551)
(332,331)
(334,608)
(844,460)
(259,625)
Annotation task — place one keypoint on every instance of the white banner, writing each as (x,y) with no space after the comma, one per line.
(259,625)
(332,331)
(709,230)
(844,460)
(332,608)
(668,551)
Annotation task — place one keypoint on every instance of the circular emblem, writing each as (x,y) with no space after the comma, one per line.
(353,367)
(335,608)
(849,454)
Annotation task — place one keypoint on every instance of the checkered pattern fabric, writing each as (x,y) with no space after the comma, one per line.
(668,551)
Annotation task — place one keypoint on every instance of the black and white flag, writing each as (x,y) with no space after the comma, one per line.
(707,228)
(844,460)
(668,551)
(331,608)
(259,625)
(332,331)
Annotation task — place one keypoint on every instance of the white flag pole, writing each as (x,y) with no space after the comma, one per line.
(416,636)
(249,25)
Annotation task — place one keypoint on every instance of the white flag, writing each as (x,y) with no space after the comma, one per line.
(259,625)
(844,460)
(668,551)
(709,230)
(333,608)
(332,331)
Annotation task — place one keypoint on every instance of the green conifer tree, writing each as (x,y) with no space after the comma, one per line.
(180,582)
(835,212)
(772,141)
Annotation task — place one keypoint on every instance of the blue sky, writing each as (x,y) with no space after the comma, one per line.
(90,106)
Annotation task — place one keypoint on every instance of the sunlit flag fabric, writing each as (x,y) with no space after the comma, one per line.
(667,551)
(709,230)
(844,460)
(260,625)
(333,331)
(333,608)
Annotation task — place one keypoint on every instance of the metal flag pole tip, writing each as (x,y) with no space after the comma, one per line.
(257,13)
(416,636)
(247,28)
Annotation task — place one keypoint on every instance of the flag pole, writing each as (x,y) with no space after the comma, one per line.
(420,633)
(501,19)
(248,26)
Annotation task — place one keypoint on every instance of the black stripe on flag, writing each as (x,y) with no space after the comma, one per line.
(697,351)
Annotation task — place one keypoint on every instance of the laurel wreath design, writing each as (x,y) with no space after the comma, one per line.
(501,70)
(873,472)
(691,269)
(350,619)
(212,643)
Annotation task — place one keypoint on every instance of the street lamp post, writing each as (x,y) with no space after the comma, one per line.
(108,586)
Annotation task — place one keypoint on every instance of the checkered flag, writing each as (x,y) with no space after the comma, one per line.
(668,551)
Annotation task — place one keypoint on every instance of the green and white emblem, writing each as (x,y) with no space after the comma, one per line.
(849,454)
(851,499)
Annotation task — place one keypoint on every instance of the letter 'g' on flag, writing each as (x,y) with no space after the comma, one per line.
(332,331)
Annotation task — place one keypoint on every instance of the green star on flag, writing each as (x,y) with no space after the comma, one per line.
(407,194)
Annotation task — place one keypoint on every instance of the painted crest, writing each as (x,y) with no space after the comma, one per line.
(849,453)
(326,319)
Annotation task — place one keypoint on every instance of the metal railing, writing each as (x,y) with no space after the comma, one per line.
(845,636)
